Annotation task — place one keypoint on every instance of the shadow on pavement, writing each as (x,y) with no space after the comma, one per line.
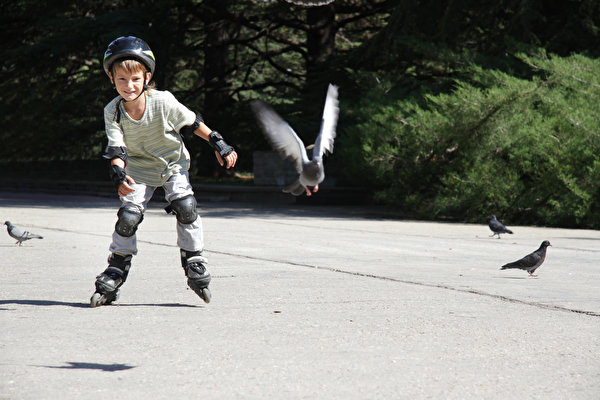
(226,209)
(87,305)
(87,365)
(44,303)
(511,277)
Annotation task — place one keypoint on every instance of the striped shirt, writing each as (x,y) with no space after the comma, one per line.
(155,150)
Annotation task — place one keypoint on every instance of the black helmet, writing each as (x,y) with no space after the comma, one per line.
(129,47)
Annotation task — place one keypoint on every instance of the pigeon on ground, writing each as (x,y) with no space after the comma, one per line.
(532,261)
(20,234)
(286,142)
(498,227)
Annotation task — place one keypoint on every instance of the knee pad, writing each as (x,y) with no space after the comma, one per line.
(130,217)
(185,209)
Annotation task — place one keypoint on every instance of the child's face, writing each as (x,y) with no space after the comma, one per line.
(129,84)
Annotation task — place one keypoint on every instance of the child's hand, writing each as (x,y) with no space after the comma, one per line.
(231,159)
(125,188)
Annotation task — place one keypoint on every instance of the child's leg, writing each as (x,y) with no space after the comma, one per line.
(109,281)
(123,246)
(179,193)
(190,238)
(130,215)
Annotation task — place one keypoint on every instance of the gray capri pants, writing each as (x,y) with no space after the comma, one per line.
(189,236)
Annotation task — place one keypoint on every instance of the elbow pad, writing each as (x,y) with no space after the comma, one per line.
(116,151)
(188,131)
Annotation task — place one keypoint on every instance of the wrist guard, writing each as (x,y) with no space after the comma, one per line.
(216,142)
(117,175)
(188,131)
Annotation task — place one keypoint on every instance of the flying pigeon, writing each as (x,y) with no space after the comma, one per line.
(19,233)
(286,142)
(532,261)
(497,227)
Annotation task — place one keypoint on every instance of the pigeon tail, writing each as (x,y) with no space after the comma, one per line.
(295,188)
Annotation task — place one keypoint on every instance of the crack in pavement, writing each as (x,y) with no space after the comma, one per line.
(417,283)
(365,275)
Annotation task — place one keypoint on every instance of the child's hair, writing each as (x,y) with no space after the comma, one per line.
(131,66)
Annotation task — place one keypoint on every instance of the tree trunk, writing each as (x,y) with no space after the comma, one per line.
(217,64)
(320,40)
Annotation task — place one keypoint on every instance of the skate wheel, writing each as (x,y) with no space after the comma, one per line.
(206,295)
(96,300)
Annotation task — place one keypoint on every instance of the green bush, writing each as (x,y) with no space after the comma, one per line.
(525,149)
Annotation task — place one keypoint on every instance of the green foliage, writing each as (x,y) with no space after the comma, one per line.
(526,149)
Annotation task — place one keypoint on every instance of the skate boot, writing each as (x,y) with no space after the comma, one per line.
(109,282)
(198,277)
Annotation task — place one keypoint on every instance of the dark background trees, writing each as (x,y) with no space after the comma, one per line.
(214,55)
(392,59)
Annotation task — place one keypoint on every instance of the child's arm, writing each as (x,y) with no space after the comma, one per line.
(116,153)
(120,178)
(222,149)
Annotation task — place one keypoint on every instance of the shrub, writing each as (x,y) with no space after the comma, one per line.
(526,149)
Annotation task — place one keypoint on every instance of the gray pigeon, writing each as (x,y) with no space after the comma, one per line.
(20,234)
(497,227)
(532,261)
(286,142)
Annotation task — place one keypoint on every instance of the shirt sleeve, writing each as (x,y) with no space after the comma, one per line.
(178,115)
(114,133)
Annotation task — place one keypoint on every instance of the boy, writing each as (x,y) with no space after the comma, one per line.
(144,128)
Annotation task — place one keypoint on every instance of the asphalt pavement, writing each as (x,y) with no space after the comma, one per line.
(308,302)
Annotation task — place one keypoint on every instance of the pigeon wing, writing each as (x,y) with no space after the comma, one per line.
(324,141)
(524,263)
(280,134)
(496,225)
(16,233)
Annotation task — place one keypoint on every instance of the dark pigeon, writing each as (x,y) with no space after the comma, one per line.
(498,227)
(20,234)
(532,261)
(286,142)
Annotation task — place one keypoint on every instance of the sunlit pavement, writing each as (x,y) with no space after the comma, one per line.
(307,302)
